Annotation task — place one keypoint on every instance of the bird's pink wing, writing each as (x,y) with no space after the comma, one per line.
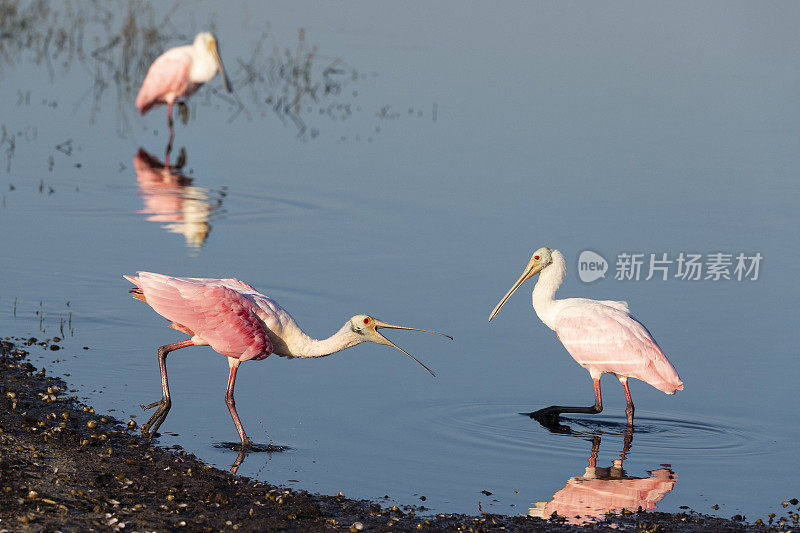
(237,283)
(222,317)
(608,340)
(167,76)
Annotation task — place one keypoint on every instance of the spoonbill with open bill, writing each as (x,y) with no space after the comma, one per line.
(242,324)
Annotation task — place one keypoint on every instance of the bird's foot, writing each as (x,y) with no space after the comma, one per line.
(183,112)
(146,407)
(550,420)
(548,415)
(151,426)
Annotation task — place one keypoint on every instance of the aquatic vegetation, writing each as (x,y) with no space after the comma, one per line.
(116,42)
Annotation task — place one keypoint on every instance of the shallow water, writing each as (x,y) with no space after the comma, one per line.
(406,164)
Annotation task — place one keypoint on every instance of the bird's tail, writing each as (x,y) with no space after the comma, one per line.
(138,295)
(144,108)
(667,379)
(137,292)
(658,371)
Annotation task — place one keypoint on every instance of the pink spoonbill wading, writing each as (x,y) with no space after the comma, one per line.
(179,72)
(601,336)
(242,324)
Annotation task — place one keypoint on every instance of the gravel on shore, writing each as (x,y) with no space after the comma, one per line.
(64,467)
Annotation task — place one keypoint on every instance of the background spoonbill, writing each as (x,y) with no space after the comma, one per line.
(239,322)
(179,72)
(601,336)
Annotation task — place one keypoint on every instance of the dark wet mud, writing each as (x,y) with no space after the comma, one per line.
(65,467)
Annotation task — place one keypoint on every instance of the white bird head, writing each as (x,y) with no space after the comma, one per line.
(205,43)
(540,259)
(366,328)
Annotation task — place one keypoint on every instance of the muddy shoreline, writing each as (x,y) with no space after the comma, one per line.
(64,467)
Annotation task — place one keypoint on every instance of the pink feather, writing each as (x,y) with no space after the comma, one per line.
(166,80)
(610,340)
(213,310)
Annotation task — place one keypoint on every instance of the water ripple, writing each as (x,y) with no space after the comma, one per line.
(657,436)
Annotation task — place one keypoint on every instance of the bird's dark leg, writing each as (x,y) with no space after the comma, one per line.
(149,429)
(171,133)
(551,414)
(629,409)
(234,366)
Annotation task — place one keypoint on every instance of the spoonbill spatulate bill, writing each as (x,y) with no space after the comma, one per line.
(601,336)
(179,72)
(242,324)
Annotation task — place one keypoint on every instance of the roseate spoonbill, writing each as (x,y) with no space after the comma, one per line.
(599,490)
(179,72)
(242,324)
(601,336)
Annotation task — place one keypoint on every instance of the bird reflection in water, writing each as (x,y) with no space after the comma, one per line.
(169,197)
(600,490)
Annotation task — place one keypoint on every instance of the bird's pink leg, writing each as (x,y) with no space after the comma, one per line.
(550,414)
(629,409)
(234,366)
(149,429)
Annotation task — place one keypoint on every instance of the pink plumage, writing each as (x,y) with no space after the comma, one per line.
(212,310)
(241,323)
(605,339)
(179,72)
(601,335)
(167,80)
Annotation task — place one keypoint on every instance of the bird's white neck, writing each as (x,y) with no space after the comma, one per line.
(544,292)
(204,66)
(304,346)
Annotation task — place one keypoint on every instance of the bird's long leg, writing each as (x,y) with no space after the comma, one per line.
(149,429)
(171,132)
(629,409)
(549,414)
(234,366)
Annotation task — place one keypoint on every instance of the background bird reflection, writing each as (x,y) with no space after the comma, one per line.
(169,197)
(600,490)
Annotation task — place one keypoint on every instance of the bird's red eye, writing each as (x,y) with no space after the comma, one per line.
(366,320)
(536,257)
